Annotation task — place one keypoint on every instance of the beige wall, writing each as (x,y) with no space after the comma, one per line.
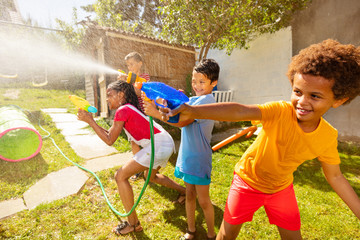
(323,19)
(257,75)
(346,119)
(339,20)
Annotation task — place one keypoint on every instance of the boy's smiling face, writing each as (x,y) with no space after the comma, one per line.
(201,84)
(312,97)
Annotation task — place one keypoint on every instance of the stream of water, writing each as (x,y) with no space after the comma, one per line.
(23,55)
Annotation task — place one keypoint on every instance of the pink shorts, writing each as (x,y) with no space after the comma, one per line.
(243,201)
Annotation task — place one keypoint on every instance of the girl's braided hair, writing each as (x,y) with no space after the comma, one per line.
(129,92)
(333,61)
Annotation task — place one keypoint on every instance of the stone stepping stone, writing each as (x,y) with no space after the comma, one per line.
(10,207)
(54,110)
(89,146)
(55,185)
(102,163)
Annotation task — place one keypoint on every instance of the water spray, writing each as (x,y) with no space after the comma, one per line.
(26,54)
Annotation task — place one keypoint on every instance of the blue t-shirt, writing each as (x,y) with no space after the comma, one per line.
(195,152)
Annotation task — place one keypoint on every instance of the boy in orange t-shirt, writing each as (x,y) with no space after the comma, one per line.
(323,76)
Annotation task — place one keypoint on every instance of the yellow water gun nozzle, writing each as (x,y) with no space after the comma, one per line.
(82,104)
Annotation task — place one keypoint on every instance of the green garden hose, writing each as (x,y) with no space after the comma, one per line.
(97,178)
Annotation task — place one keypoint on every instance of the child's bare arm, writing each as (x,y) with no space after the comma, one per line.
(108,136)
(216,111)
(342,187)
(151,110)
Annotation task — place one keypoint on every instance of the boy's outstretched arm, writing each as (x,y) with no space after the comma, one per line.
(151,110)
(108,136)
(342,187)
(229,111)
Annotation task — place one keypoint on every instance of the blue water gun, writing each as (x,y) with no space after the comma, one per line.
(159,90)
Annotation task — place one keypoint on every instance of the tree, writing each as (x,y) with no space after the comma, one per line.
(72,32)
(224,24)
(140,16)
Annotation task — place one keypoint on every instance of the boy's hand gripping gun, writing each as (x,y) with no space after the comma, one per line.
(82,104)
(132,77)
(158,90)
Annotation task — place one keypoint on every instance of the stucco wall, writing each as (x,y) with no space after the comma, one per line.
(346,119)
(323,19)
(339,20)
(258,74)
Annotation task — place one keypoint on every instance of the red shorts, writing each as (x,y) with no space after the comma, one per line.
(243,201)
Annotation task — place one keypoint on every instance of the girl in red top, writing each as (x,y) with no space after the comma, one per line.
(122,98)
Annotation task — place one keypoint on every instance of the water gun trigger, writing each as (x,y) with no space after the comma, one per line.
(160,100)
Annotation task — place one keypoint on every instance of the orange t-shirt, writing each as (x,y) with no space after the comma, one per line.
(281,146)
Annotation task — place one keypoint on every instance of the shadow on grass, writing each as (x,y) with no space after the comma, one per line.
(173,159)
(141,235)
(177,217)
(310,173)
(23,171)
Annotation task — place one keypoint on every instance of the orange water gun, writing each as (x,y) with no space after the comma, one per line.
(82,104)
(132,77)
(249,131)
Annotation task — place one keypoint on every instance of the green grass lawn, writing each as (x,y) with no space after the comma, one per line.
(86,215)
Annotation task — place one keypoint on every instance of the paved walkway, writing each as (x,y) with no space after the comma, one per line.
(70,180)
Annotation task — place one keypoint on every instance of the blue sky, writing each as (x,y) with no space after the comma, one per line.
(45,11)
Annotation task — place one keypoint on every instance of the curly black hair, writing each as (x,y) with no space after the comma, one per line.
(128,90)
(209,67)
(333,61)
